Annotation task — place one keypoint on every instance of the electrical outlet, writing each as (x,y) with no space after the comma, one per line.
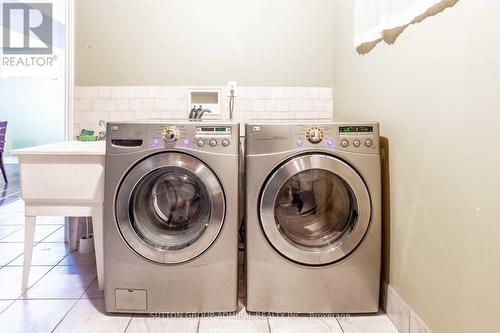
(232,85)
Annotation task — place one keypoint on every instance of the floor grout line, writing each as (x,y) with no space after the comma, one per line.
(340,325)
(128,324)
(198,325)
(5,236)
(65,315)
(34,283)
(87,288)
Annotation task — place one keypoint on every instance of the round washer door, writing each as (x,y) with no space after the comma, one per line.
(170,208)
(315,209)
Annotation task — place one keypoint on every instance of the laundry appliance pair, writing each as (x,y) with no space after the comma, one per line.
(312,216)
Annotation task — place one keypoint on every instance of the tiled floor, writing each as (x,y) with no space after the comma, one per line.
(63,294)
(11,191)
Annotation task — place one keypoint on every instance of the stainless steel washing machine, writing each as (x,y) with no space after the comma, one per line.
(171,216)
(313,217)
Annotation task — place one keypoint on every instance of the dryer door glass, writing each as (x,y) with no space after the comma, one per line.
(170,207)
(315,209)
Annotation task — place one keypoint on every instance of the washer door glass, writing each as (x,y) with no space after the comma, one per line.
(170,208)
(315,209)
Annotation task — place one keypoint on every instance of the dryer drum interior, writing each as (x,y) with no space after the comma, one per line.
(315,209)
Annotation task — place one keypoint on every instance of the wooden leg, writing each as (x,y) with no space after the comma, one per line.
(2,167)
(29,234)
(73,233)
(98,244)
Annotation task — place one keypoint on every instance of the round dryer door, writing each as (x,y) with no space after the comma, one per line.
(170,208)
(315,209)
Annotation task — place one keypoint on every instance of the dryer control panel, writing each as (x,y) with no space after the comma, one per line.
(356,137)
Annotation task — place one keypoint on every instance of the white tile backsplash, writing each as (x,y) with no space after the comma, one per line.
(116,103)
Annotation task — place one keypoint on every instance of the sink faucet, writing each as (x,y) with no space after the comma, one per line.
(102,132)
(197,112)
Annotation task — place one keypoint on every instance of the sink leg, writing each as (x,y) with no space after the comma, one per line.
(29,234)
(73,233)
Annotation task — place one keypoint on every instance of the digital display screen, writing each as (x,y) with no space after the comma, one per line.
(226,130)
(356,129)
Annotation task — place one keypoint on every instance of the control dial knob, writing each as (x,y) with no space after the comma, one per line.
(170,134)
(314,135)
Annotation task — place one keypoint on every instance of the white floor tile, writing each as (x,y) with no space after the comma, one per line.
(89,316)
(6,230)
(93,291)
(9,252)
(63,282)
(304,324)
(146,324)
(11,277)
(377,323)
(56,237)
(43,254)
(14,207)
(242,322)
(41,232)
(75,258)
(4,304)
(11,218)
(34,315)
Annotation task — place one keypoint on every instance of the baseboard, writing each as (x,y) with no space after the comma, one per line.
(399,312)
(11,160)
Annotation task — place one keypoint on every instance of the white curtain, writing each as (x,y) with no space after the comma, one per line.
(377,20)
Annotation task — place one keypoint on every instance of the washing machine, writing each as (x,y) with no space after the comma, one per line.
(171,217)
(313,217)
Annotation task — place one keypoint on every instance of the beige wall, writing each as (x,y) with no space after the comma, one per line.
(436,93)
(199,42)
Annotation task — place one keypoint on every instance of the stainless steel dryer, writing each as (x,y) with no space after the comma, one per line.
(313,218)
(171,216)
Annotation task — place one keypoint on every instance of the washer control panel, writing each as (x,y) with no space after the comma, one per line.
(200,137)
(213,136)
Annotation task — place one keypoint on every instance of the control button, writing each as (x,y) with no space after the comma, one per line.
(225,143)
(344,143)
(329,142)
(200,143)
(212,143)
(356,143)
(368,142)
(299,143)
